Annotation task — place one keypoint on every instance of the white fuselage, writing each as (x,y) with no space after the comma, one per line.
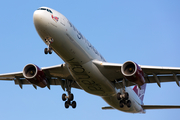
(74,49)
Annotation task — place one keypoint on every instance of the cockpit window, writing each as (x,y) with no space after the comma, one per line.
(49,10)
(45,9)
(42,9)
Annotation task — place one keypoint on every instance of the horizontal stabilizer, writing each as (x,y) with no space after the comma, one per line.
(107,108)
(159,107)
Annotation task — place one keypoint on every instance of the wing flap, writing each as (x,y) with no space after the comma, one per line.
(54,81)
(166,78)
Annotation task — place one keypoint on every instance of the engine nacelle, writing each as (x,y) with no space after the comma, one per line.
(133,72)
(35,75)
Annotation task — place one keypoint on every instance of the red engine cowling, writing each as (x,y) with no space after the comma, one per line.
(133,72)
(35,75)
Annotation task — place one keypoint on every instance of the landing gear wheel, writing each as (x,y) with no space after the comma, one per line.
(71,97)
(66,104)
(118,96)
(46,51)
(64,97)
(74,104)
(126,96)
(128,103)
(121,105)
(50,51)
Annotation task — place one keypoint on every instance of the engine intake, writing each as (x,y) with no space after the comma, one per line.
(133,72)
(35,75)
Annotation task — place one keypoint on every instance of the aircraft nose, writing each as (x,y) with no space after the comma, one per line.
(37,17)
(40,20)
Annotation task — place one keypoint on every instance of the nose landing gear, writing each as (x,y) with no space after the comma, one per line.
(49,49)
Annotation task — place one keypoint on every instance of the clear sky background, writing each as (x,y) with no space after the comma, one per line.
(147,32)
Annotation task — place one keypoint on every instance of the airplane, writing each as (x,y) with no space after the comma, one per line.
(86,69)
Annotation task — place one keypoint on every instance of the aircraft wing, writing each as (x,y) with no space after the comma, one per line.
(56,76)
(152,74)
(145,107)
(148,107)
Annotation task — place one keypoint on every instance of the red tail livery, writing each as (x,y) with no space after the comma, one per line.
(140,92)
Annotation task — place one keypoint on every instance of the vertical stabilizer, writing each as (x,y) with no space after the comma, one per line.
(140,92)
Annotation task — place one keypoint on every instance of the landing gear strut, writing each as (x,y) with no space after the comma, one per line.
(68,99)
(49,49)
(124,97)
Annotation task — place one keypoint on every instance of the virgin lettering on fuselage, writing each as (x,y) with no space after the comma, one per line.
(81,37)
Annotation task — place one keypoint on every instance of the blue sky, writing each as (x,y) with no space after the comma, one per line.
(147,32)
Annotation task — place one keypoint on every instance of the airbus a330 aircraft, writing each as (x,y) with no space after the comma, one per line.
(86,69)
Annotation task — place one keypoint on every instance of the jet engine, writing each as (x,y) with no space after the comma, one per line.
(35,75)
(133,72)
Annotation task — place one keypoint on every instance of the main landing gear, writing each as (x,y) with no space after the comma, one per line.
(49,49)
(68,99)
(124,99)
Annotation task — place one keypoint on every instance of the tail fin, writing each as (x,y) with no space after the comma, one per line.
(140,92)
